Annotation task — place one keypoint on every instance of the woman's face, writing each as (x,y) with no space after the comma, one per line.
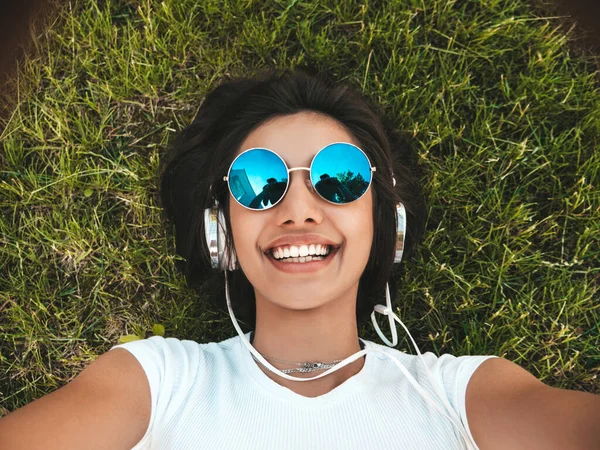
(302,218)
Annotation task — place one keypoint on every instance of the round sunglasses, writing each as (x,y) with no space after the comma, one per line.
(340,173)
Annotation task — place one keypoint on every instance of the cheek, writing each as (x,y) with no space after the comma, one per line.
(359,229)
(367,215)
(369,227)
(245,228)
(366,237)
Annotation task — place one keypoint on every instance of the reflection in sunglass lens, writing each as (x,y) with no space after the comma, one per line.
(258,179)
(341,173)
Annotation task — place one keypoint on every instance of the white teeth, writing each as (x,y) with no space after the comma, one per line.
(303,259)
(301,253)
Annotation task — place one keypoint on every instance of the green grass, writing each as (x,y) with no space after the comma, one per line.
(505,116)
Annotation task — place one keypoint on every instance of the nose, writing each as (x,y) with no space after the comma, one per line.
(301,204)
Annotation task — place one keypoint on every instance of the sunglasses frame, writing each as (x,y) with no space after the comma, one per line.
(293,169)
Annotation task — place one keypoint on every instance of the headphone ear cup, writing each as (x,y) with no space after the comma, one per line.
(227,260)
(215,232)
(400,232)
(211,235)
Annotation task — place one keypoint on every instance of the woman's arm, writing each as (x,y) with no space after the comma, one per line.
(509,408)
(107,406)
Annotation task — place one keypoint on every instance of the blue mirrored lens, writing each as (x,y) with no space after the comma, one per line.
(341,173)
(258,179)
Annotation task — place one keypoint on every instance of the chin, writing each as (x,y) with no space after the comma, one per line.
(304,302)
(305,297)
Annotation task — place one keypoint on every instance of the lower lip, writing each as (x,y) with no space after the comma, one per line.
(311,266)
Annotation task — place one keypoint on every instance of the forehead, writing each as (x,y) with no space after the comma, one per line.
(297,137)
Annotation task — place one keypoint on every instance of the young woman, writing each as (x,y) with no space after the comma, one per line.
(300,199)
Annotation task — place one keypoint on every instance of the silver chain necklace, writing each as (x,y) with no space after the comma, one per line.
(303,367)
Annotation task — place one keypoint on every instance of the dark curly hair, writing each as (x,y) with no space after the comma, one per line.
(191,175)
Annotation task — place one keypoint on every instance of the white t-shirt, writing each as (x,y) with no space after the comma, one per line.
(215,396)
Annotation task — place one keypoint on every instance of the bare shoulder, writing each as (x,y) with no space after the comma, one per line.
(495,383)
(107,406)
(114,369)
(500,372)
(508,407)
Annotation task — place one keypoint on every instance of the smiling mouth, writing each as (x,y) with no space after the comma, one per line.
(301,253)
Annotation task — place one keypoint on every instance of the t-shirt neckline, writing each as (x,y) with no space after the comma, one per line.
(352,385)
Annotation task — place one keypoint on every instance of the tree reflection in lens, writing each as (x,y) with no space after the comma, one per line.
(354,183)
(333,190)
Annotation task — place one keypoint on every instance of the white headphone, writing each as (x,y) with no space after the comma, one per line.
(216,234)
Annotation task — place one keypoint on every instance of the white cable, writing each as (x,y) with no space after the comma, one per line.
(383,310)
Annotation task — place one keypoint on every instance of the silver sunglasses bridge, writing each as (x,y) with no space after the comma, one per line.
(293,169)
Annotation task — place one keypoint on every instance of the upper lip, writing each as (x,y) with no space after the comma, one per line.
(300,239)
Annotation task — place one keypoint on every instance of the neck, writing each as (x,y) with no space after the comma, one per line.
(322,334)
